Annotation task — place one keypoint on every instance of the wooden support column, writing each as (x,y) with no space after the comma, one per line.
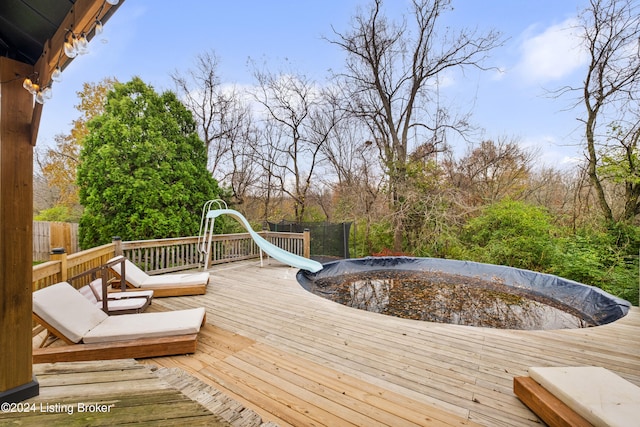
(16,221)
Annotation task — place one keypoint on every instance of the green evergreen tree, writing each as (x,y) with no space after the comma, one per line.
(143,169)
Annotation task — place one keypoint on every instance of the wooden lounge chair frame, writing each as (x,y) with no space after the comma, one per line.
(137,349)
(103,272)
(158,291)
(545,405)
(134,345)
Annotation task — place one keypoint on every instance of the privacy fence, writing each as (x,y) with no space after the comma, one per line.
(49,235)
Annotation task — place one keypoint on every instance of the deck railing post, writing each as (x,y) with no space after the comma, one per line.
(306,239)
(59,254)
(117,245)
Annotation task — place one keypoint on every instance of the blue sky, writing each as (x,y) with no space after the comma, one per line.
(151,39)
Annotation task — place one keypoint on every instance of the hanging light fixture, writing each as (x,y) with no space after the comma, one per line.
(97,28)
(82,44)
(56,76)
(74,45)
(70,46)
(47,93)
(40,97)
(27,84)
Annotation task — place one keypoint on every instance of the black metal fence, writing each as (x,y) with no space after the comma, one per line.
(328,240)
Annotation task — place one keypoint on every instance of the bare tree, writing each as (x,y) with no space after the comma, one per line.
(241,171)
(493,170)
(270,157)
(354,174)
(391,83)
(217,109)
(300,122)
(611,31)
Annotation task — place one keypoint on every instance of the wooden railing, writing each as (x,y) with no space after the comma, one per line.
(164,255)
(63,266)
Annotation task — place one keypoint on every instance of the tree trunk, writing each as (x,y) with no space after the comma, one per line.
(592,170)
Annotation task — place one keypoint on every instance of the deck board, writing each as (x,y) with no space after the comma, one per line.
(272,352)
(290,355)
(127,392)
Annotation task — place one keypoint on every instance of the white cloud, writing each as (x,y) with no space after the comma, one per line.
(550,152)
(552,54)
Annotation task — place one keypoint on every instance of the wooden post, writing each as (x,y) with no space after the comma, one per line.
(58,254)
(17,382)
(60,236)
(306,239)
(117,244)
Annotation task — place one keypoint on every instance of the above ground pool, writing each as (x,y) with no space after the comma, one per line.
(463,293)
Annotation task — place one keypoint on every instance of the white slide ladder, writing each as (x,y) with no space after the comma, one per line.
(206,230)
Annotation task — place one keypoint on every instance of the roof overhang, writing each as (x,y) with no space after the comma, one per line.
(34,32)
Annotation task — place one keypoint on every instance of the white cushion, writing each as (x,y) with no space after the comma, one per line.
(131,294)
(138,278)
(133,300)
(96,288)
(177,280)
(65,309)
(598,395)
(123,304)
(86,292)
(133,274)
(147,325)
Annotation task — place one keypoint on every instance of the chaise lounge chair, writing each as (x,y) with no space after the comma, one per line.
(91,334)
(116,302)
(164,285)
(111,303)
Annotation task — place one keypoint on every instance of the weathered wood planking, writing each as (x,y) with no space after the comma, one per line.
(113,392)
(279,349)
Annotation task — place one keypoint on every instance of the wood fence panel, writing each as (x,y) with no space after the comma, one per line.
(41,246)
(48,235)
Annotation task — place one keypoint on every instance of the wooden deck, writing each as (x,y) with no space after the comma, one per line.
(297,359)
(114,392)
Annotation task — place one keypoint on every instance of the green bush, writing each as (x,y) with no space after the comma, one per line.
(58,213)
(511,233)
(605,259)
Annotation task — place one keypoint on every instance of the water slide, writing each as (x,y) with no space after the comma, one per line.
(270,249)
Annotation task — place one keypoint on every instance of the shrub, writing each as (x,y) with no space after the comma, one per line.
(511,233)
